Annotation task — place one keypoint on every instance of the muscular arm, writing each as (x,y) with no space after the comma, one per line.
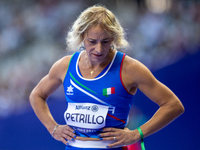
(170,106)
(38,99)
(44,89)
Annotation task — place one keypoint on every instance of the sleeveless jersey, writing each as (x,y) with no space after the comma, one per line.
(96,103)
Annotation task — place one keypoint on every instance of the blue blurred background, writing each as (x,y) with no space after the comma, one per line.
(164,35)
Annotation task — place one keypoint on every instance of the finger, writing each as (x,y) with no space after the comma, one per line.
(107,134)
(67,128)
(67,137)
(70,129)
(115,144)
(65,142)
(70,134)
(109,129)
(113,138)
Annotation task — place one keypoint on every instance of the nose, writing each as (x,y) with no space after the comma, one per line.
(99,47)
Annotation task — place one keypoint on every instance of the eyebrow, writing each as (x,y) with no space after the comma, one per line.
(102,39)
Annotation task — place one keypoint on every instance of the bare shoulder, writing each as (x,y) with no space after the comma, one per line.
(59,68)
(130,62)
(49,83)
(135,72)
(133,66)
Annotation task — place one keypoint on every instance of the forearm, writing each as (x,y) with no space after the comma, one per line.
(165,114)
(42,111)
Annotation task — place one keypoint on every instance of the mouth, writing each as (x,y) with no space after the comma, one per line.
(98,55)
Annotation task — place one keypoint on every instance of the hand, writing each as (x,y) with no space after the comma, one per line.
(64,133)
(122,136)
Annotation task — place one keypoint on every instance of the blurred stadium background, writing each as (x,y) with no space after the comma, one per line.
(164,35)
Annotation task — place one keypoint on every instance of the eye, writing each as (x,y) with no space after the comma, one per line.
(106,41)
(92,41)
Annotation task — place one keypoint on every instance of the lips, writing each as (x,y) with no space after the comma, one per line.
(97,55)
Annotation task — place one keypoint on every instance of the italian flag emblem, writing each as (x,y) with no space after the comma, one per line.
(108,91)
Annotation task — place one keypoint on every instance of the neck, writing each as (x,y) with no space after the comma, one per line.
(94,67)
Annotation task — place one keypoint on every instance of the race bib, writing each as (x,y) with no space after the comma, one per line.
(86,117)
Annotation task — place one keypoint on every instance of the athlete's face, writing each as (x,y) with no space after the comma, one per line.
(97,43)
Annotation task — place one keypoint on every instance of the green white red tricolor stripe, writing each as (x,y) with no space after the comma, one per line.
(108,91)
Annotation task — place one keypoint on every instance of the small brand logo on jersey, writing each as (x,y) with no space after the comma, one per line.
(95,108)
(70,90)
(78,107)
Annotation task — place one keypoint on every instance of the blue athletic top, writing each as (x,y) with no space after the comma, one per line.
(106,91)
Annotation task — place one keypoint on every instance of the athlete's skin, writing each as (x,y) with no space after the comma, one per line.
(134,76)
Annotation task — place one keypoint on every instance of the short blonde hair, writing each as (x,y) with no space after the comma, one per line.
(94,15)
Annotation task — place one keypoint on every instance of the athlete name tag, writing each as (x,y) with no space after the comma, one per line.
(86,117)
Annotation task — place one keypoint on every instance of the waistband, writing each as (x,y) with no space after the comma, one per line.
(90,144)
